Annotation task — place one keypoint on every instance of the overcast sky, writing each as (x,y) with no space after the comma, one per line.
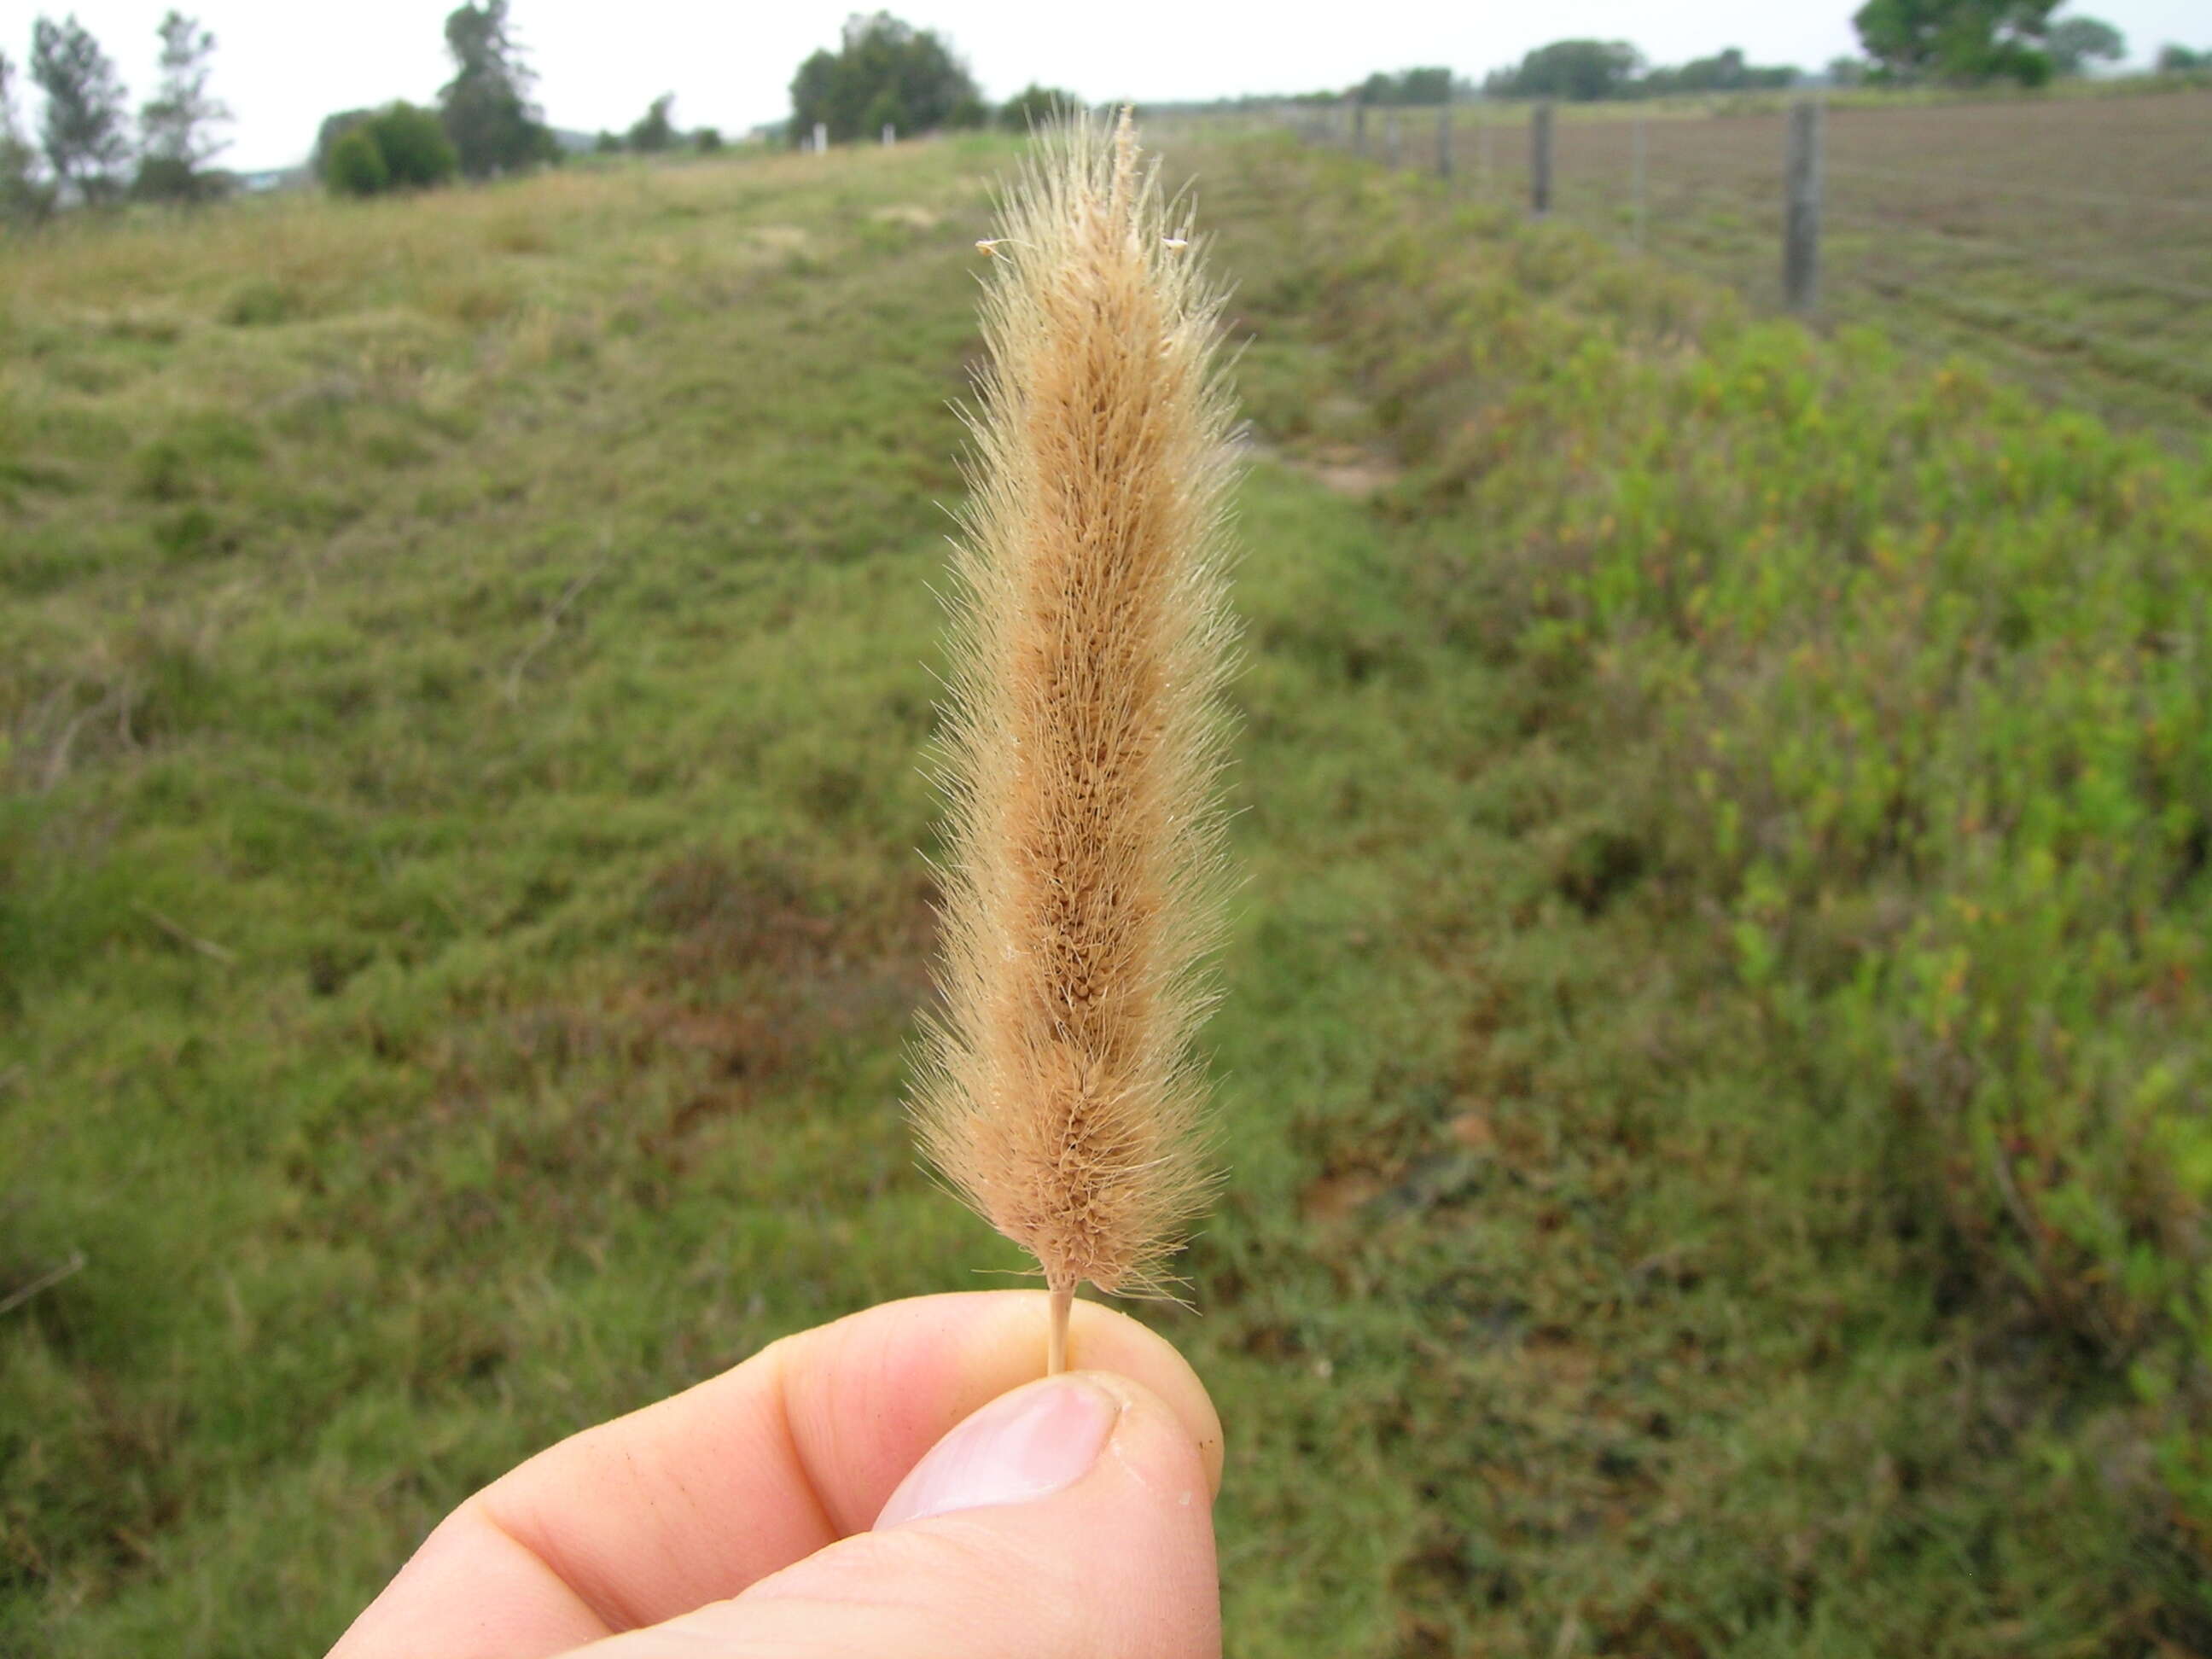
(284,64)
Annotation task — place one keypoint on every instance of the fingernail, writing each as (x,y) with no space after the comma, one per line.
(1021,1446)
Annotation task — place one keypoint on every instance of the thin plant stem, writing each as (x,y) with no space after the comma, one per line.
(1055,1352)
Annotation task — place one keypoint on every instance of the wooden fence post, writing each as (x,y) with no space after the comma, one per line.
(821,138)
(1390,146)
(1639,169)
(1482,144)
(890,132)
(1801,224)
(1358,124)
(1444,139)
(1540,159)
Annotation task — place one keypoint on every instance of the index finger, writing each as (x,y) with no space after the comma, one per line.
(690,1500)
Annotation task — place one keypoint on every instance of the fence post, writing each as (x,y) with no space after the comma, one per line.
(1444,139)
(1639,170)
(821,137)
(1358,124)
(1482,144)
(1390,147)
(1801,225)
(1540,159)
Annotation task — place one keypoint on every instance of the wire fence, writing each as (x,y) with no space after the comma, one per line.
(2069,240)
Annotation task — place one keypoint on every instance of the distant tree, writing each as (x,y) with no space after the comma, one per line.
(654,131)
(84,128)
(1964,42)
(2174,59)
(335,127)
(813,90)
(408,144)
(1428,86)
(1033,105)
(23,198)
(1578,70)
(606,144)
(176,126)
(416,150)
(2077,42)
(1725,71)
(353,166)
(1412,86)
(486,106)
(884,71)
(1846,72)
(707,140)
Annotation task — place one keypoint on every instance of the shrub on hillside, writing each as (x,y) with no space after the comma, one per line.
(884,73)
(170,179)
(355,165)
(1033,105)
(416,152)
(1914,674)
(654,131)
(399,148)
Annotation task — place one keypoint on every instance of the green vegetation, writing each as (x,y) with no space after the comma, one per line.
(884,73)
(1847,915)
(1590,72)
(1711,1062)
(1430,86)
(177,125)
(654,131)
(2075,43)
(1972,43)
(24,198)
(399,148)
(485,108)
(82,129)
(1034,105)
(355,165)
(484,125)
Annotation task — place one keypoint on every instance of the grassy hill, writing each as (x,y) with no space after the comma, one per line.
(1712,1067)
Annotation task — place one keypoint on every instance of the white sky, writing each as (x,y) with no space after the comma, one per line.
(284,64)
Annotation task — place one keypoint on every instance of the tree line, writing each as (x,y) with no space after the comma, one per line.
(483,123)
(888,75)
(883,73)
(1904,43)
(84,148)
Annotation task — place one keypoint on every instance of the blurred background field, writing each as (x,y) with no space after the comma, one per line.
(2063,240)
(1712,1067)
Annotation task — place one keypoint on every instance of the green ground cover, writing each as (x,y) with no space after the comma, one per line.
(1709,1069)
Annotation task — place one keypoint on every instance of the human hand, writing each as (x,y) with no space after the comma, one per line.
(896,1483)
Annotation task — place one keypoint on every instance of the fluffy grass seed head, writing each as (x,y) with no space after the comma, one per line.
(1059,1092)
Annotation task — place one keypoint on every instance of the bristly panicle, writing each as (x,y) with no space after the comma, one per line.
(1060,1093)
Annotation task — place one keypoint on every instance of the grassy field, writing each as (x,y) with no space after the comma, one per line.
(1712,1068)
(2063,238)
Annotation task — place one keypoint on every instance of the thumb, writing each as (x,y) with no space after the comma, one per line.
(1070,1519)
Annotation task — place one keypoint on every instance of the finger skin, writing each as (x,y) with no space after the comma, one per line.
(689,1501)
(1118,1565)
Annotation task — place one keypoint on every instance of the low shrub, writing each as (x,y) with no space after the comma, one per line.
(1914,674)
(399,148)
